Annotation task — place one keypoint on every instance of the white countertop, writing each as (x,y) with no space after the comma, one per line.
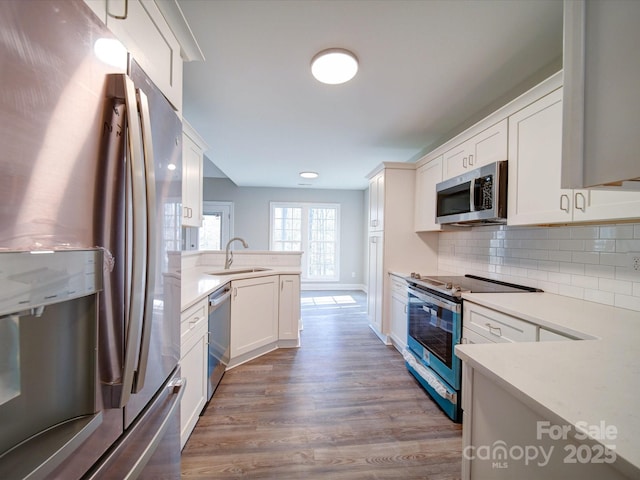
(198,283)
(592,380)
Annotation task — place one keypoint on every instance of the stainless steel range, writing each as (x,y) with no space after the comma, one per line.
(434,328)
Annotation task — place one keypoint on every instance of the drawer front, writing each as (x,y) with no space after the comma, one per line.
(399,287)
(497,326)
(549,336)
(471,337)
(192,319)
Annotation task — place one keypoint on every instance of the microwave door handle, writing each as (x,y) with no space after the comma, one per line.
(151,261)
(472,196)
(135,308)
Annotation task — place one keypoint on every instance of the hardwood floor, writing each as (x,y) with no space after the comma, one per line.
(343,406)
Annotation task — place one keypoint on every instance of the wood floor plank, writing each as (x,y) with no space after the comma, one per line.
(342,406)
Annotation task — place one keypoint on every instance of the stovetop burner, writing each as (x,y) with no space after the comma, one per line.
(454,286)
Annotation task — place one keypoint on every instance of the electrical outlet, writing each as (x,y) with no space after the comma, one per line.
(634,261)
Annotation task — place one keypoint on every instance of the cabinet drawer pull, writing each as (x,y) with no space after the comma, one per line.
(194,321)
(578,204)
(464,162)
(565,197)
(470,159)
(492,328)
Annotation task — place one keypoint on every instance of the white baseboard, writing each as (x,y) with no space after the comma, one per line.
(333,286)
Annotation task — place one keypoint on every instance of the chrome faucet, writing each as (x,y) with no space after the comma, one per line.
(228,256)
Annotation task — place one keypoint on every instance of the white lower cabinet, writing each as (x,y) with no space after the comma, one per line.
(498,427)
(193,364)
(495,326)
(254,315)
(289,308)
(376,280)
(399,306)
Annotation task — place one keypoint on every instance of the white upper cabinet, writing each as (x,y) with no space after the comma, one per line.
(486,147)
(145,33)
(535,149)
(535,153)
(193,148)
(376,203)
(602,104)
(427,176)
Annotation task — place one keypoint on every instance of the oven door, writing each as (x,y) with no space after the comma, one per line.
(434,325)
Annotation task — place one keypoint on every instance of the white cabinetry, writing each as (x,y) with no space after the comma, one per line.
(495,326)
(143,30)
(602,105)
(376,203)
(193,148)
(488,146)
(396,246)
(289,308)
(375,289)
(535,153)
(399,306)
(493,416)
(427,177)
(193,363)
(254,315)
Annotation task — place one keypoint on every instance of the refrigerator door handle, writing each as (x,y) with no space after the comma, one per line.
(135,308)
(150,194)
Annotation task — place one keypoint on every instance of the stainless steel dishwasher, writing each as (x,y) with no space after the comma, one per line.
(219,338)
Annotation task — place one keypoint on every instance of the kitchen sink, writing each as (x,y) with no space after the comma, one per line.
(239,270)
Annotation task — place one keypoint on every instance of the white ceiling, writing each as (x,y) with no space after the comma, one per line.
(427,69)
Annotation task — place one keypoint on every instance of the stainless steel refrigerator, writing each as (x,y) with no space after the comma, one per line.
(90,160)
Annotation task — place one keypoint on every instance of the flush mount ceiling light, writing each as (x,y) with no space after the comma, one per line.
(309,174)
(334,66)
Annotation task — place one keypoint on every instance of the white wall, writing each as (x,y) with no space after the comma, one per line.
(251,211)
(587,262)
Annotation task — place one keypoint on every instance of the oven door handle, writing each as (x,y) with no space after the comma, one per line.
(452,306)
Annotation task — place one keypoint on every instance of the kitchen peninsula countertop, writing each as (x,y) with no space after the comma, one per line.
(198,283)
(593,380)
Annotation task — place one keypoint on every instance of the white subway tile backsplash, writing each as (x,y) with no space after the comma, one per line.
(626,301)
(604,271)
(588,262)
(586,257)
(615,286)
(571,291)
(616,231)
(599,296)
(574,245)
(585,282)
(585,232)
(572,268)
(600,245)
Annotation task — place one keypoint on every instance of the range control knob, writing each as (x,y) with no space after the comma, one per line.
(448,285)
(455,288)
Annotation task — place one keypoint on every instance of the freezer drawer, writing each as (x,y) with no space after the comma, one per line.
(150,449)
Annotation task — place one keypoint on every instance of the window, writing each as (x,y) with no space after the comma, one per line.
(216,225)
(313,229)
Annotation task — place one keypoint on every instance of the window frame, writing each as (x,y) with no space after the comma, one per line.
(306,207)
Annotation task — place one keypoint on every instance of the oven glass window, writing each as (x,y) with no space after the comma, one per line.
(454,200)
(432,326)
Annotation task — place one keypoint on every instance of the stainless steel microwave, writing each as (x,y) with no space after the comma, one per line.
(478,196)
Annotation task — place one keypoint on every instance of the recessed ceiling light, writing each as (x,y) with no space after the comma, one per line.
(334,66)
(309,174)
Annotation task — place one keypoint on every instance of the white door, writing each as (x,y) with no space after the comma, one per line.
(217,225)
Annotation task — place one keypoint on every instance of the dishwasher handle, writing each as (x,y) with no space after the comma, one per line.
(216,300)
